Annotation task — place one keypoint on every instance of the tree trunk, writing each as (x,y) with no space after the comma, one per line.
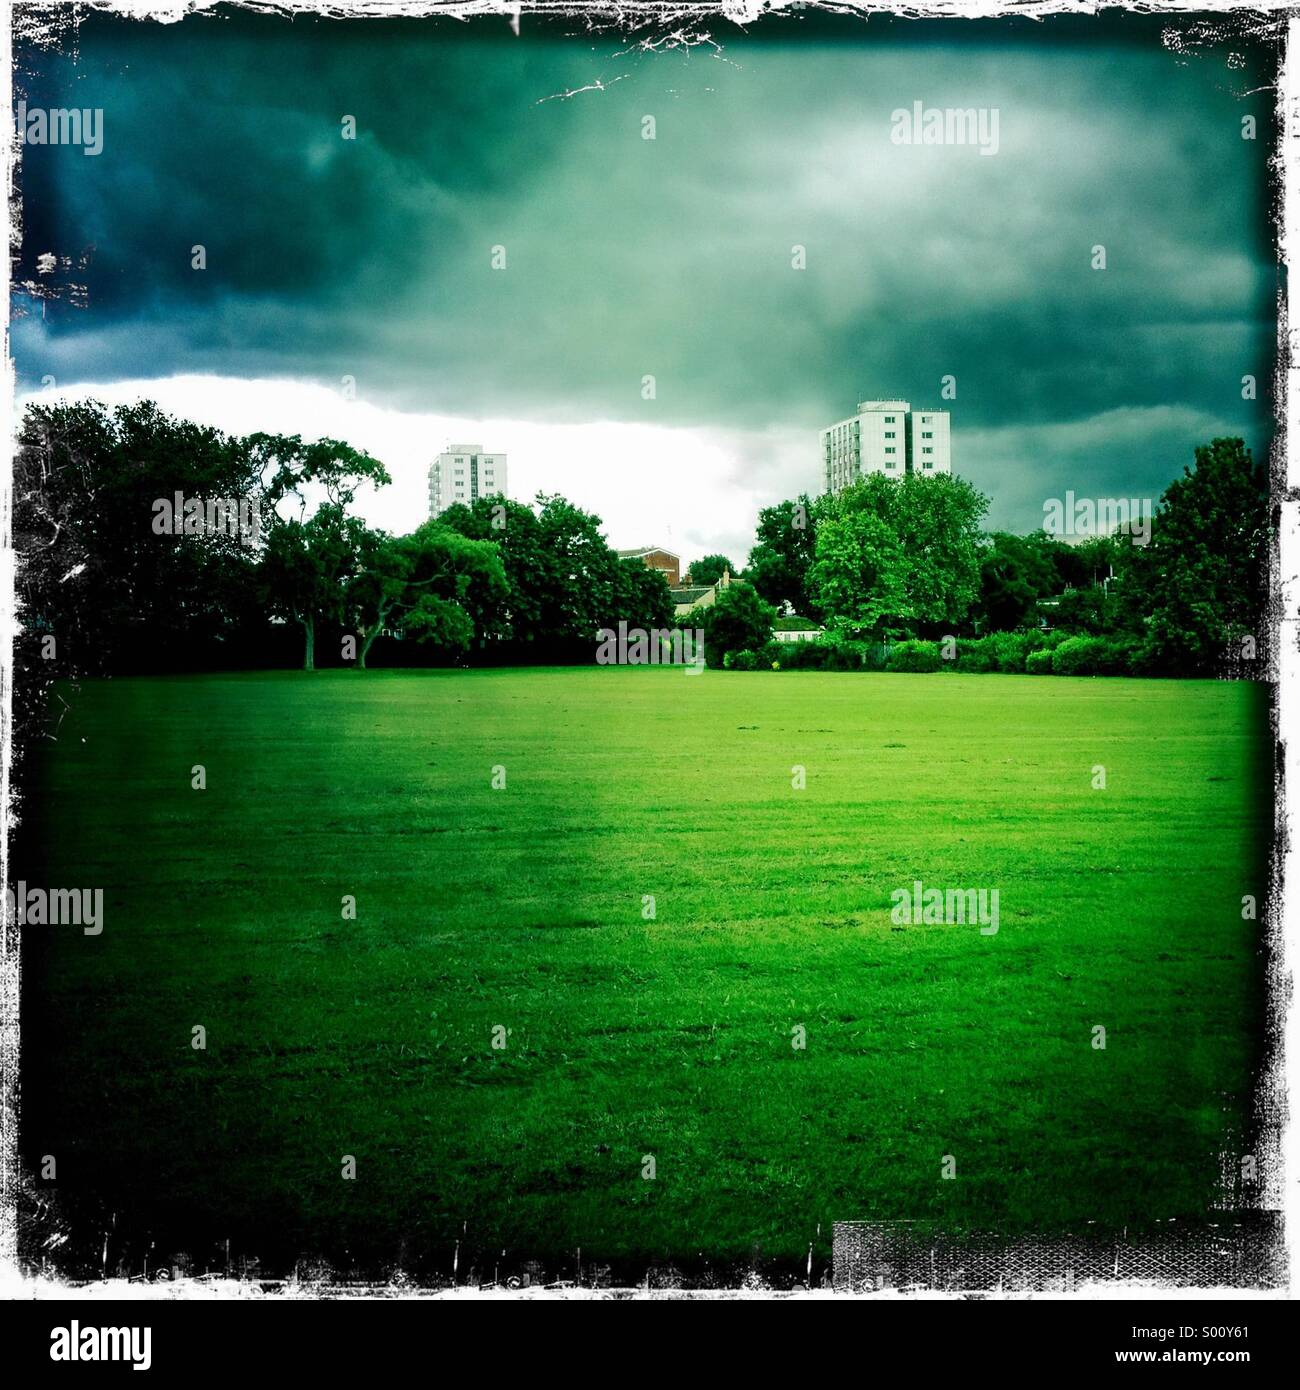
(309,647)
(368,638)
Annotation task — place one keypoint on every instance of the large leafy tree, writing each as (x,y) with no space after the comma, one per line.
(439,586)
(307,568)
(291,471)
(117,591)
(584,571)
(309,562)
(783,554)
(858,575)
(1016,572)
(564,581)
(1201,585)
(512,527)
(642,597)
(93,572)
(904,556)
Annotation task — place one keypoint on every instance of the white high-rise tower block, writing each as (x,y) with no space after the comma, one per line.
(463,473)
(886,437)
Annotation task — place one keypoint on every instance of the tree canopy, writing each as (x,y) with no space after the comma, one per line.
(897,556)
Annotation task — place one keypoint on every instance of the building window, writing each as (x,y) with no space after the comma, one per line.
(927,450)
(891,434)
(889,419)
(929,464)
(889,449)
(927,434)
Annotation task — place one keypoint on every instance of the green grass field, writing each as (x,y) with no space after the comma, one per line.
(522,907)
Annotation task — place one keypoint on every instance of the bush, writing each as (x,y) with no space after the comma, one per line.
(839,653)
(738,620)
(1039,662)
(1127,656)
(1009,649)
(976,654)
(795,656)
(1082,656)
(914,656)
(741,661)
(1141,660)
(772,654)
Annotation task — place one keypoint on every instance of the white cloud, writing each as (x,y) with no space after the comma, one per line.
(694,491)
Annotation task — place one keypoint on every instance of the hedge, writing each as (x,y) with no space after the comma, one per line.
(914,656)
(1035,653)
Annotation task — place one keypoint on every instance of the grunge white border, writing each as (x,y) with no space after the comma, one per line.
(650,26)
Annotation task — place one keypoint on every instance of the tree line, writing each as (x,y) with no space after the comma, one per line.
(899,572)
(103,590)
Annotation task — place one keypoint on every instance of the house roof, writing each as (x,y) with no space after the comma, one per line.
(681,596)
(795,623)
(645,550)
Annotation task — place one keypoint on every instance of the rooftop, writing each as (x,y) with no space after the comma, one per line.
(644,550)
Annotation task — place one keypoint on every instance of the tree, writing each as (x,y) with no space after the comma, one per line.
(918,557)
(512,527)
(709,569)
(306,569)
(1201,585)
(738,620)
(642,598)
(289,468)
(858,577)
(105,571)
(1015,574)
(95,571)
(1089,611)
(564,582)
(584,574)
(783,555)
(439,586)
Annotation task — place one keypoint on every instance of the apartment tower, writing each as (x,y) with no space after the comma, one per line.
(886,437)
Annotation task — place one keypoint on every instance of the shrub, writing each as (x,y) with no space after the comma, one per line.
(741,661)
(1123,656)
(914,656)
(976,654)
(1009,649)
(1141,660)
(738,620)
(840,653)
(796,656)
(772,654)
(1039,662)
(1082,656)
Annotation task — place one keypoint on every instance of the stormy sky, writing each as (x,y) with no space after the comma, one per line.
(371,259)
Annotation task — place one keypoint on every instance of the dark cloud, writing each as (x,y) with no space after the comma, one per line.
(672,257)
